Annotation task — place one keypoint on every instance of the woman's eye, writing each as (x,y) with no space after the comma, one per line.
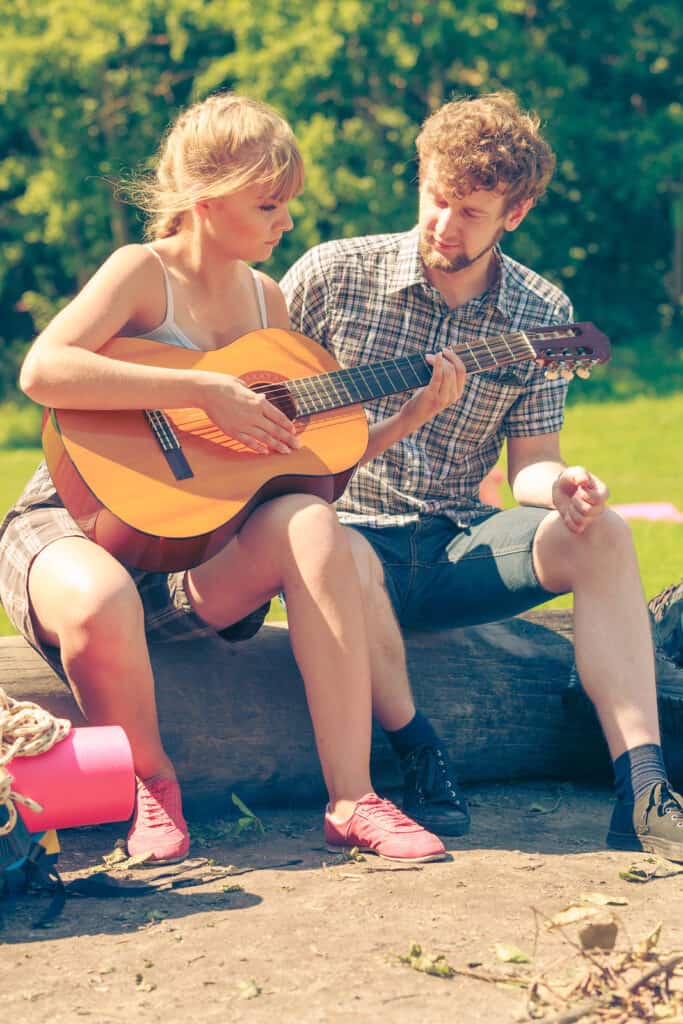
(268,207)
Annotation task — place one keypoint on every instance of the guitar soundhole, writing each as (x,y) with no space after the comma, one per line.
(274,387)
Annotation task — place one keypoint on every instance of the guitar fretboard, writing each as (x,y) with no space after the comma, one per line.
(360,384)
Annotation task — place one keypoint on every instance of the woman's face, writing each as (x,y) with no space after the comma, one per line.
(246,225)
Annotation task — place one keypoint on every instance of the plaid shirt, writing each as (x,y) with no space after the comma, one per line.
(367,299)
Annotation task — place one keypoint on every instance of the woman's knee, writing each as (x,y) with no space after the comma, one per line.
(368,563)
(100,609)
(297,520)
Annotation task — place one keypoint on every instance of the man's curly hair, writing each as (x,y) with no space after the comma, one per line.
(486,142)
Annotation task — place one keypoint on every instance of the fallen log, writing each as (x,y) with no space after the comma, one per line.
(234,717)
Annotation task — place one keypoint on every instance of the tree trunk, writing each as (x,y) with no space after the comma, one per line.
(234,717)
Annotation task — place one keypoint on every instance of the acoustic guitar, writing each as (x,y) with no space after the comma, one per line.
(166,489)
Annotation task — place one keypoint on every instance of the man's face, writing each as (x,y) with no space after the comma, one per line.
(456,233)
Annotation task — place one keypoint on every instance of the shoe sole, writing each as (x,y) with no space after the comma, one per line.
(662,847)
(398,860)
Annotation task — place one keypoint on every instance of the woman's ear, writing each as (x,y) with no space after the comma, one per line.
(201,207)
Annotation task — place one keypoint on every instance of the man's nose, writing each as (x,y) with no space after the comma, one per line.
(447,222)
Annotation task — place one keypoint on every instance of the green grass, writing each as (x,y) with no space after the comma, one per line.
(635,447)
(633,444)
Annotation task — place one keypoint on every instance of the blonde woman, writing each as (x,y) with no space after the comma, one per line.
(226,171)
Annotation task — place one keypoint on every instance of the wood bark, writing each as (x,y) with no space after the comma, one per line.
(234,716)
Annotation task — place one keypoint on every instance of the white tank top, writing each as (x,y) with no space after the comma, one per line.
(168,330)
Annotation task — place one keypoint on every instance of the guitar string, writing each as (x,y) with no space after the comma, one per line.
(386,367)
(319,385)
(319,382)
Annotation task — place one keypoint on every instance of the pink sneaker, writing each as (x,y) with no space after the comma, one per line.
(377,826)
(158,825)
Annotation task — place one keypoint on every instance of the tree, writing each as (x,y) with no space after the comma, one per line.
(88,89)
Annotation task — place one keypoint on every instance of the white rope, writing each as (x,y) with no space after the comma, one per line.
(26,729)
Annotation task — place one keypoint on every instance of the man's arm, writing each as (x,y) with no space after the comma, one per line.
(444,389)
(538,475)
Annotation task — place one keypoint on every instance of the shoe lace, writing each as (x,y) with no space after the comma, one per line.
(434,776)
(151,811)
(385,813)
(671,803)
(659,604)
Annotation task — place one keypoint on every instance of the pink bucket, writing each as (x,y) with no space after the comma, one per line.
(85,779)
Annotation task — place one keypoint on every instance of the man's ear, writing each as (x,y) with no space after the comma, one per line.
(515,216)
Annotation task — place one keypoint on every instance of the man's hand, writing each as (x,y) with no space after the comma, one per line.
(445,388)
(579,497)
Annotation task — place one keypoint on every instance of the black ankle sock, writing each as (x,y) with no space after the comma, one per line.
(418,732)
(637,770)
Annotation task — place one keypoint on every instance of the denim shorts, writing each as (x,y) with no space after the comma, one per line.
(440,574)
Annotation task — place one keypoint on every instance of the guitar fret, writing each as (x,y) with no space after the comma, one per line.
(528,344)
(490,351)
(359,384)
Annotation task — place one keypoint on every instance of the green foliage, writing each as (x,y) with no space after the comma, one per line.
(19,425)
(87,89)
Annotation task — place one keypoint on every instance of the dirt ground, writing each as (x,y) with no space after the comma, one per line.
(293,933)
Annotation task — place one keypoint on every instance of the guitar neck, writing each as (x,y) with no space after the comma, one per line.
(360,384)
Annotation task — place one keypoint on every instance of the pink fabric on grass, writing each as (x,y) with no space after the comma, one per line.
(656,511)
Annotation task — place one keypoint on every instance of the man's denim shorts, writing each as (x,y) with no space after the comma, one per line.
(440,574)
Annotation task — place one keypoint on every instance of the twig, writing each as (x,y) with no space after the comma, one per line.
(571,1016)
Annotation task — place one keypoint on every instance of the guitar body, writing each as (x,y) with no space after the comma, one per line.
(113,477)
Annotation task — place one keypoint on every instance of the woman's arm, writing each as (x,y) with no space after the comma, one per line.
(64,368)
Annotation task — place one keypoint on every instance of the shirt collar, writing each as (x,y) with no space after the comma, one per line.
(408,272)
(408,269)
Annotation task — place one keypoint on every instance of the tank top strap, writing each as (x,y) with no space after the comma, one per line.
(260,297)
(168,319)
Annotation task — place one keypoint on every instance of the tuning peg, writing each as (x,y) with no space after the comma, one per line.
(552,373)
(583,372)
(567,373)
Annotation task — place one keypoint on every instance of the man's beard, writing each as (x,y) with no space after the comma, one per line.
(434,260)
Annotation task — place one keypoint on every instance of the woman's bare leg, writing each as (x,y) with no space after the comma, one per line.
(84,602)
(296,545)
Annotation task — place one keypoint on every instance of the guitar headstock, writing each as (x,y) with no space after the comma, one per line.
(568,349)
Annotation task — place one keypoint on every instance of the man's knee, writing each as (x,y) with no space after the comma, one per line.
(559,554)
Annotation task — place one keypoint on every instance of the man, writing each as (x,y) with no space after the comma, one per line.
(429,552)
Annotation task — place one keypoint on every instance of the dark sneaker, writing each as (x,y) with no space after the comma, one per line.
(666,610)
(431,796)
(653,824)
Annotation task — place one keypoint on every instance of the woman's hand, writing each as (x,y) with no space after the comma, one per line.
(445,388)
(579,497)
(248,416)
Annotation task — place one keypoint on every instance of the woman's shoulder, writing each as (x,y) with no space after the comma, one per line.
(133,258)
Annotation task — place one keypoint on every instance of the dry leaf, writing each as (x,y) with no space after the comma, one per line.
(601,899)
(599,934)
(650,941)
(510,954)
(249,989)
(426,963)
(570,915)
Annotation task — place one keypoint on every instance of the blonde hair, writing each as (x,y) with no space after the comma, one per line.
(218,146)
(488,143)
